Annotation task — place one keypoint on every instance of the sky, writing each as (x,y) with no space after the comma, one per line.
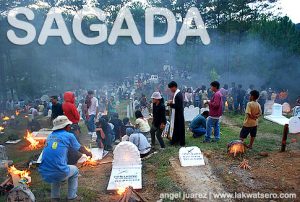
(292,9)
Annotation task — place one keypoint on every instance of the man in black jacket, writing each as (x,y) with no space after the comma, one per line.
(177,129)
(159,119)
(56,108)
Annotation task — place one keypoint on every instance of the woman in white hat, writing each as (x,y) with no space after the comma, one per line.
(54,168)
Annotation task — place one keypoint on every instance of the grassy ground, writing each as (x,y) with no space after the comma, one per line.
(268,139)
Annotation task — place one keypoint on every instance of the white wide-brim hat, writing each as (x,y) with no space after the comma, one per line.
(61,122)
(156,95)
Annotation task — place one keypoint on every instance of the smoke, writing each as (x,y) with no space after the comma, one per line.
(241,59)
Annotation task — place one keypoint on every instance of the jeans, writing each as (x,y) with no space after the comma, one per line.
(72,184)
(157,132)
(212,123)
(91,123)
(197,132)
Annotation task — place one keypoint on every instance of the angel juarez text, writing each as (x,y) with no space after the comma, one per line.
(192,26)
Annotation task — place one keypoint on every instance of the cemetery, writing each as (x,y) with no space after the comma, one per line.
(127,175)
(149,101)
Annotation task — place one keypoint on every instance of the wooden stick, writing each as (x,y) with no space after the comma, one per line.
(284,137)
(5,182)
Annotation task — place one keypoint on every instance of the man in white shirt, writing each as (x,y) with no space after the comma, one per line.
(92,111)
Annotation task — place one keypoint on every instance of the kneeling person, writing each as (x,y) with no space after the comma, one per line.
(54,168)
(140,141)
(198,125)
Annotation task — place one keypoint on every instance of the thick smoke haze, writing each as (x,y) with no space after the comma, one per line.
(245,59)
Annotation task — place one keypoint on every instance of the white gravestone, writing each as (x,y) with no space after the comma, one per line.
(127,167)
(294,125)
(3,155)
(191,156)
(286,108)
(191,112)
(296,111)
(268,107)
(145,113)
(277,116)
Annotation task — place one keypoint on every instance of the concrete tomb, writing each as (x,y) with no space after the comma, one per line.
(126,168)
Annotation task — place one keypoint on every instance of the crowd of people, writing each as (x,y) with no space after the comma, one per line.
(99,110)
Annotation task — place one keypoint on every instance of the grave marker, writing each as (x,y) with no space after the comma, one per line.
(191,156)
(191,112)
(127,167)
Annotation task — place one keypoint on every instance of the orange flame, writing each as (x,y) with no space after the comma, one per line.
(90,162)
(121,190)
(6,118)
(34,144)
(237,149)
(17,113)
(21,173)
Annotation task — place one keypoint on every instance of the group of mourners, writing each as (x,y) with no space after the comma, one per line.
(63,149)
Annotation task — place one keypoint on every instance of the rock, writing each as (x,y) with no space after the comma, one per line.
(265,154)
(208,153)
(293,140)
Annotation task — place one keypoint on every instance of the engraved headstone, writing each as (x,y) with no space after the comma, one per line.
(127,167)
(191,156)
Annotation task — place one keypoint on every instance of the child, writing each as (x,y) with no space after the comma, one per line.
(142,124)
(253,112)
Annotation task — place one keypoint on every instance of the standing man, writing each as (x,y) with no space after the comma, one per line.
(56,108)
(263,99)
(159,119)
(54,168)
(177,129)
(92,112)
(215,112)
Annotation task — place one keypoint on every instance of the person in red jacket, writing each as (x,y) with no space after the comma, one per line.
(69,108)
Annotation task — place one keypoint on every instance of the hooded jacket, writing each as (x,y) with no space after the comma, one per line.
(69,108)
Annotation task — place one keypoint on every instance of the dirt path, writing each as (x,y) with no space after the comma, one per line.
(198,180)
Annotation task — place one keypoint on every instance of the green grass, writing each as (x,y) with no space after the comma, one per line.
(264,126)
(268,141)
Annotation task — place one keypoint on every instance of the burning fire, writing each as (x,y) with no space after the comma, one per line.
(6,118)
(237,148)
(1,128)
(226,104)
(23,174)
(34,144)
(89,162)
(17,113)
(121,190)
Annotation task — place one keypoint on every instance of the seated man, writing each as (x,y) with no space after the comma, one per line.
(54,168)
(140,141)
(198,124)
